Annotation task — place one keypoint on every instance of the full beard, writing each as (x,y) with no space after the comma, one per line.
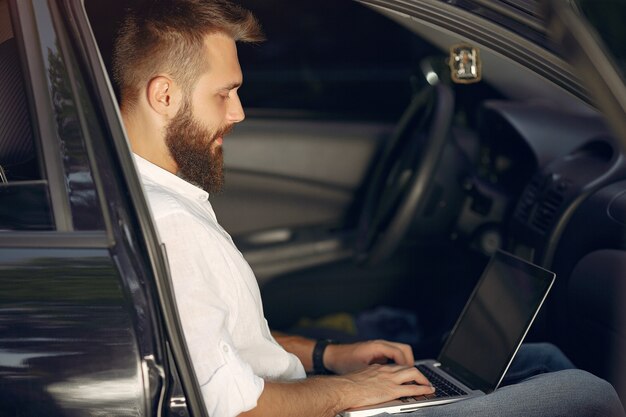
(193,148)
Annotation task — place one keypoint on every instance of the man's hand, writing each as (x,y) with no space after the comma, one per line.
(326,396)
(346,358)
(379,383)
(350,357)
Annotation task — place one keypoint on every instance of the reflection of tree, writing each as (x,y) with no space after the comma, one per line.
(64,107)
(78,178)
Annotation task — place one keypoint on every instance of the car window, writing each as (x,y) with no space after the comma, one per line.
(24,196)
(324,57)
(46,117)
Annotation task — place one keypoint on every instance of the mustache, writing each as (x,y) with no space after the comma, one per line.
(223,132)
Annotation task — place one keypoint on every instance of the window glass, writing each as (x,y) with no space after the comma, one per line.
(71,108)
(334,57)
(24,197)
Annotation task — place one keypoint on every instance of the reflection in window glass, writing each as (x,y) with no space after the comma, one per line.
(64,80)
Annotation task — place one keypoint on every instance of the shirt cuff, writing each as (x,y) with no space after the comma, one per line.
(233,388)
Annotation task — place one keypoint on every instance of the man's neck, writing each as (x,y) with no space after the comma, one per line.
(146,140)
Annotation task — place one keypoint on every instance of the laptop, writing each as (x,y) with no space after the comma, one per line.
(485,338)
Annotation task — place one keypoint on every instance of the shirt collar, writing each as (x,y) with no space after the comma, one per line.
(168,180)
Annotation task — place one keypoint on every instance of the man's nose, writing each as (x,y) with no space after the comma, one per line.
(235,110)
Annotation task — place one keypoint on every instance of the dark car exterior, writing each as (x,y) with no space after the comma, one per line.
(88,325)
(81,330)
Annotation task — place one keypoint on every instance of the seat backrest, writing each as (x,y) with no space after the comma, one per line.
(17,152)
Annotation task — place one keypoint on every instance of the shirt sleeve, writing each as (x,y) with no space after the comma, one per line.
(228,384)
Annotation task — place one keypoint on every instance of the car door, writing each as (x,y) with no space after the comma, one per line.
(593,321)
(68,345)
(80,331)
(321,97)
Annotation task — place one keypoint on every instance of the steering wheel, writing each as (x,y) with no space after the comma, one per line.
(404,173)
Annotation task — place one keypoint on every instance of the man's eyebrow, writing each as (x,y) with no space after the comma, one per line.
(231,86)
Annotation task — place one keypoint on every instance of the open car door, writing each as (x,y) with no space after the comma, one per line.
(593,40)
(597,52)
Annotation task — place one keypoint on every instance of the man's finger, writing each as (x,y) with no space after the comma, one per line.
(415,390)
(407,353)
(395,352)
(411,374)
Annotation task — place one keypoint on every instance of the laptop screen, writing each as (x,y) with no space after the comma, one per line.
(494,321)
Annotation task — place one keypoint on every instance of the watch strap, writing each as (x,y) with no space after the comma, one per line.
(318,356)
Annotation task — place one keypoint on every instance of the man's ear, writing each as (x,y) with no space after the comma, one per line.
(163,96)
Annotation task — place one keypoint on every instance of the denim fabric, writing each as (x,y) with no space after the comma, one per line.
(539,385)
(534,359)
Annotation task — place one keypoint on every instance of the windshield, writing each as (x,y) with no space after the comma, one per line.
(607,18)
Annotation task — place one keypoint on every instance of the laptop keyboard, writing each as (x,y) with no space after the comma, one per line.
(443,387)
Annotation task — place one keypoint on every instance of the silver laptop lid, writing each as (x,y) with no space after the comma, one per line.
(495,321)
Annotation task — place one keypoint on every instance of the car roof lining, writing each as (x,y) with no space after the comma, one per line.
(507,76)
(6,31)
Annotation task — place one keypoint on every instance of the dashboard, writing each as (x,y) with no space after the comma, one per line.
(533,166)
(555,186)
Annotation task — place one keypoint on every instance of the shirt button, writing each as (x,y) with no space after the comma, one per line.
(225,348)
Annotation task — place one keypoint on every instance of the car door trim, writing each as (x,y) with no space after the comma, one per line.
(91,240)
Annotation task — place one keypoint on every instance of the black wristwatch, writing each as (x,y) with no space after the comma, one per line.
(318,356)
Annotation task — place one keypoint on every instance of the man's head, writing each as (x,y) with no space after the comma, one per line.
(175,63)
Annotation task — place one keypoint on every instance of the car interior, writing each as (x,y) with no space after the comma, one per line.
(20,178)
(363,176)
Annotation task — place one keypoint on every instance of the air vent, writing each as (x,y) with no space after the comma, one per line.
(529,198)
(547,210)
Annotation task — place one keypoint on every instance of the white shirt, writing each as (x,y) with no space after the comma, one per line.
(217,297)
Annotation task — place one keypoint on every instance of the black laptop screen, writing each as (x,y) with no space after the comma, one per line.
(495,321)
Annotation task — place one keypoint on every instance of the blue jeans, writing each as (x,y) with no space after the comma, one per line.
(539,383)
(534,359)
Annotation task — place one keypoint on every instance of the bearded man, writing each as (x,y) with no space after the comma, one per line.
(176,65)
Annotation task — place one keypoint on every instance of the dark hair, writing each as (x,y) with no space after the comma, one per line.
(167,36)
